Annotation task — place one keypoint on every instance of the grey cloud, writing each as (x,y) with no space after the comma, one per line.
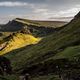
(45,8)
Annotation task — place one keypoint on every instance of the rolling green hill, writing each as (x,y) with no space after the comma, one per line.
(55,57)
(43,57)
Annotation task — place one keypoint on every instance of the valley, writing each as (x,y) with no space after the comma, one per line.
(43,50)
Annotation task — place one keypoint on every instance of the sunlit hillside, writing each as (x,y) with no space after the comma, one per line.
(19,40)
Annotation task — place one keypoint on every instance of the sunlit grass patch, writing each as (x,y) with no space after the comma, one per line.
(19,40)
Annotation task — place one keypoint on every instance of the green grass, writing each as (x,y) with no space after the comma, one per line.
(9,77)
(46,77)
(69,53)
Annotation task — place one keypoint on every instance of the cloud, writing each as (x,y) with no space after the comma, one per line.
(5,19)
(70,12)
(40,10)
(65,15)
(61,18)
(14,4)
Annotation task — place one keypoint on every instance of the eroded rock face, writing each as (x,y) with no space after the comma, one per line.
(5,66)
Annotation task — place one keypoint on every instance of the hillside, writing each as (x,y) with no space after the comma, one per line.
(19,40)
(18,24)
(21,29)
(38,23)
(59,49)
(22,32)
(36,28)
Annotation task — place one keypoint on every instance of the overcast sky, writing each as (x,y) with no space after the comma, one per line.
(38,9)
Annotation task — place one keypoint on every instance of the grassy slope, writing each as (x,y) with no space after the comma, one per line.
(69,53)
(45,77)
(19,40)
(68,36)
(53,24)
(4,35)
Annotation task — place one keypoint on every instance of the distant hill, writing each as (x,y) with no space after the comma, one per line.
(36,28)
(39,23)
(18,23)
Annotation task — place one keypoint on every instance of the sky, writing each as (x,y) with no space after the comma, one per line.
(62,10)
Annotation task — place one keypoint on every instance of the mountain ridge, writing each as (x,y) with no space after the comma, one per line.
(22,22)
